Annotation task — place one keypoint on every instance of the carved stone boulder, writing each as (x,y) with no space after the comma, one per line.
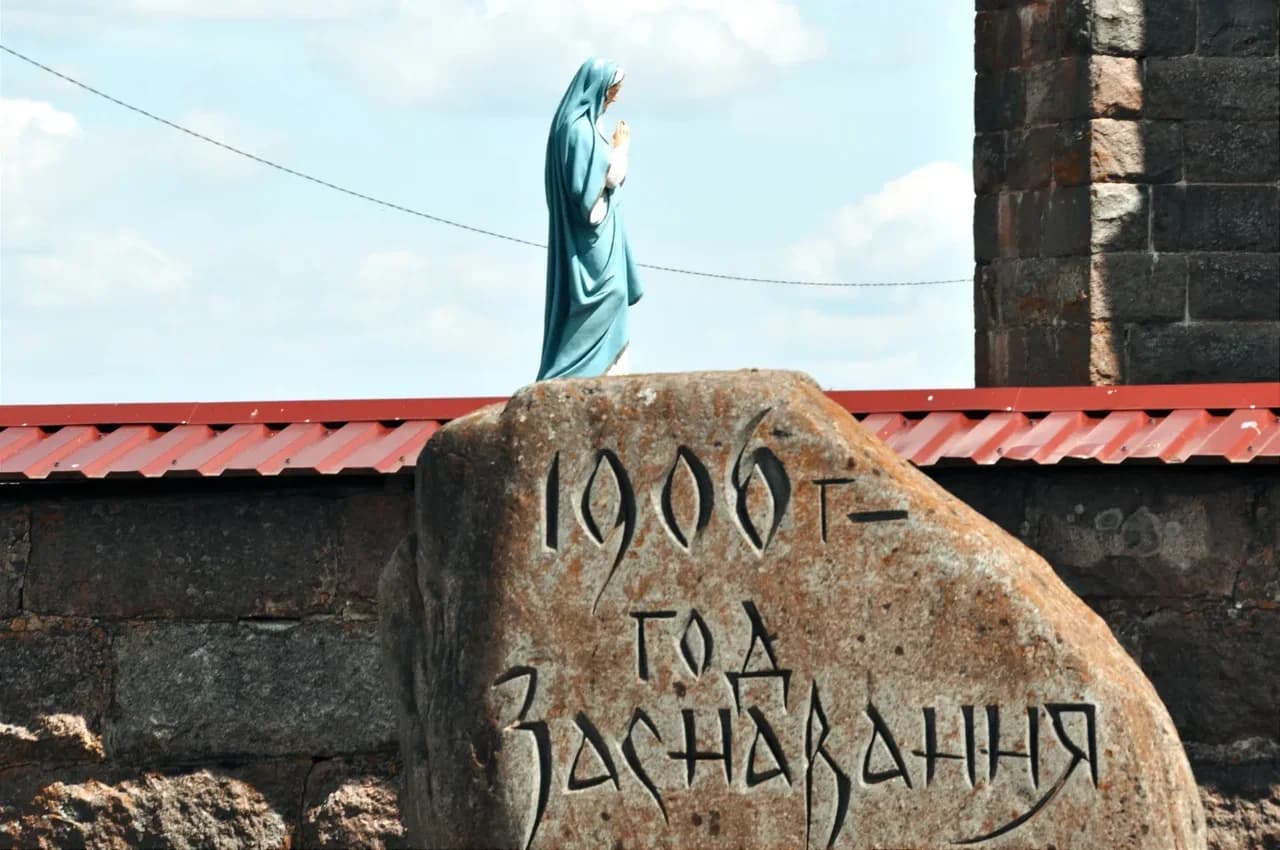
(710,610)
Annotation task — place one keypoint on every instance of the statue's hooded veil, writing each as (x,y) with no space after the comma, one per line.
(591,275)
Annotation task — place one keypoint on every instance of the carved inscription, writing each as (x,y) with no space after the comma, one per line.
(968,745)
(700,739)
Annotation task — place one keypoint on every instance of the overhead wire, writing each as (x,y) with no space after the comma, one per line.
(441,219)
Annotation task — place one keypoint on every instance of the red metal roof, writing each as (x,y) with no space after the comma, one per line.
(1236,423)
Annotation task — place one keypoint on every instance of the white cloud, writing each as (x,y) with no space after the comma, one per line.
(918,225)
(99,266)
(914,227)
(33,136)
(446,51)
(457,51)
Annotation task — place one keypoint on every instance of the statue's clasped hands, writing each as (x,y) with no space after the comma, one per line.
(622,136)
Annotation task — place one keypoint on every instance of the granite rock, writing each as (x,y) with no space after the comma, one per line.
(710,610)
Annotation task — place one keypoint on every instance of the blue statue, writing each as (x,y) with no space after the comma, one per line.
(591,275)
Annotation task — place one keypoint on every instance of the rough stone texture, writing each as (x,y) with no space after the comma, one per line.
(367,523)
(87,558)
(1144,537)
(1013,356)
(56,739)
(1120,217)
(1116,87)
(1134,151)
(15,549)
(1216,218)
(1238,27)
(1234,286)
(1232,151)
(1147,27)
(53,668)
(249,809)
(352,805)
(1138,286)
(695,494)
(1242,804)
(1203,352)
(1216,670)
(249,689)
(1195,89)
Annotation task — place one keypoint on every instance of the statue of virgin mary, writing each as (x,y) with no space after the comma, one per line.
(591,275)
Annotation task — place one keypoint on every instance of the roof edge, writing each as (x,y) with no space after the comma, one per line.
(1150,397)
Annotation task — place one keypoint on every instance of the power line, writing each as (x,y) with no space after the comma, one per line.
(439,219)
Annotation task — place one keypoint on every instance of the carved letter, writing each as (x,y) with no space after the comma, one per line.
(592,735)
(696,666)
(633,760)
(765,731)
(931,754)
(541,738)
(759,634)
(692,755)
(815,749)
(774,477)
(642,654)
(880,731)
(703,494)
(625,519)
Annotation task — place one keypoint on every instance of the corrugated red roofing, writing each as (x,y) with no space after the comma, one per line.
(1236,423)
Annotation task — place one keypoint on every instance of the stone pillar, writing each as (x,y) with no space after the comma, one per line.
(1127,171)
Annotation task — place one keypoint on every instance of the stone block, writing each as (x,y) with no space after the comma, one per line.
(1135,151)
(1238,28)
(1139,286)
(999,494)
(218,808)
(1036,356)
(1106,352)
(1215,671)
(986,227)
(1144,27)
(985,313)
(1259,580)
(1120,215)
(1057,91)
(996,41)
(1067,223)
(989,169)
(1115,87)
(1028,224)
(1216,218)
(1143,532)
(352,803)
(1042,291)
(1053,30)
(1234,286)
(201,553)
(369,524)
(1192,88)
(15,550)
(188,690)
(677,589)
(1203,352)
(1232,151)
(998,101)
(1030,163)
(58,667)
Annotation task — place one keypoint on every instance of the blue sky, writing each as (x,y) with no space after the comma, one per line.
(815,139)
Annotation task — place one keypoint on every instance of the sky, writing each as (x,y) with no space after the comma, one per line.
(822,140)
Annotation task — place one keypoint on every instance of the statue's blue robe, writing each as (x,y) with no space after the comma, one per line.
(591,275)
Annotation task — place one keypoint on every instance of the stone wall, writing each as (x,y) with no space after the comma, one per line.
(208,653)
(1127,171)
(206,649)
